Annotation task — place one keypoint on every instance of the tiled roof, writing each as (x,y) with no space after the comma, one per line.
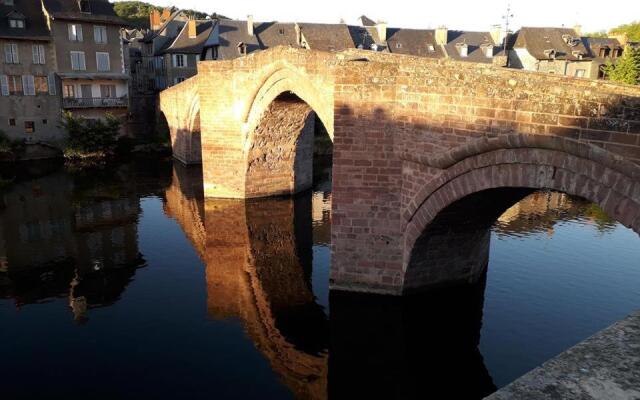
(35,22)
(593,45)
(233,32)
(272,34)
(327,37)
(184,44)
(101,11)
(475,42)
(538,42)
(417,42)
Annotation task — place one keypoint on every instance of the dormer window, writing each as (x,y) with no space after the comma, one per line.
(281,31)
(16,20)
(604,52)
(577,54)
(242,48)
(487,50)
(550,54)
(84,6)
(463,49)
(431,48)
(398,45)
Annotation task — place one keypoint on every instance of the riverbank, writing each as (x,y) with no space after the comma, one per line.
(603,367)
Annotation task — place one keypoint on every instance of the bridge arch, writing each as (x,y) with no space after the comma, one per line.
(510,166)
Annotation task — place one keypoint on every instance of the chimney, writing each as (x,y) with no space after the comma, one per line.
(250,25)
(166,14)
(381,27)
(154,20)
(578,29)
(191,28)
(496,34)
(441,35)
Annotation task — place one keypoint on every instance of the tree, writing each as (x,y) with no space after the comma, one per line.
(90,138)
(626,69)
(631,29)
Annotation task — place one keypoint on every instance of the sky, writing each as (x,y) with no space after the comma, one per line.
(457,14)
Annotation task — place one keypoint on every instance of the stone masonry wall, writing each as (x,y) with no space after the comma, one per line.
(406,129)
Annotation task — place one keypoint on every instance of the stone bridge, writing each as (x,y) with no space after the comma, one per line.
(414,139)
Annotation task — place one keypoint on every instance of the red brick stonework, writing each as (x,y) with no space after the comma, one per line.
(411,137)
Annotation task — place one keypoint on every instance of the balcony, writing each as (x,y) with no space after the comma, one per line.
(95,102)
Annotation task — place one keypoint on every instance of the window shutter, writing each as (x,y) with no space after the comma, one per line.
(79,32)
(185,63)
(42,55)
(70,29)
(4,85)
(36,54)
(175,62)
(8,54)
(52,84)
(15,53)
(83,65)
(28,85)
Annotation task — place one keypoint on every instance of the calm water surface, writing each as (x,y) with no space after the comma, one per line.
(123,282)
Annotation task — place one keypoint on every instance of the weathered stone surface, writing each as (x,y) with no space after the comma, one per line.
(603,367)
(411,136)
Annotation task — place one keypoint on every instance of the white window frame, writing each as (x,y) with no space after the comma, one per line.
(38,54)
(182,58)
(16,23)
(100,34)
(28,85)
(4,85)
(108,58)
(75,32)
(11,53)
(79,67)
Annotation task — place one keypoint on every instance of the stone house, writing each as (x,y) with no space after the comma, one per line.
(602,51)
(29,100)
(552,50)
(89,56)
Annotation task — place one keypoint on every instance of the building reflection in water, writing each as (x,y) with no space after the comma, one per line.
(71,235)
(74,236)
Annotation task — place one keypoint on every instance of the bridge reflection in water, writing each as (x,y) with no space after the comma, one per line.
(259,260)
(258,257)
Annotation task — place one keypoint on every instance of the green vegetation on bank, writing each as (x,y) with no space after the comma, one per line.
(632,30)
(137,12)
(88,138)
(626,69)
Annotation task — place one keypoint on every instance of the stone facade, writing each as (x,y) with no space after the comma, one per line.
(411,137)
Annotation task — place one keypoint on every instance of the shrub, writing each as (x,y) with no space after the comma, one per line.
(627,69)
(8,145)
(88,138)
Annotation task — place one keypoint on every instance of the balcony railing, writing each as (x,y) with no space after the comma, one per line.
(94,102)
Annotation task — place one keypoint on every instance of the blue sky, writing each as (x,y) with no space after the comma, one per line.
(460,14)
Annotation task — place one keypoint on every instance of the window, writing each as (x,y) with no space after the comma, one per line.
(463,49)
(84,6)
(41,84)
(107,91)
(12,122)
(398,45)
(14,84)
(28,85)
(44,122)
(179,60)
(69,91)
(75,32)
(16,23)
(29,126)
(38,54)
(100,34)
(77,61)
(4,85)
(102,61)
(11,53)
(580,73)
(179,79)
